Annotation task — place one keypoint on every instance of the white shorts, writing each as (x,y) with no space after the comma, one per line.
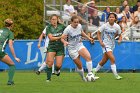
(107,49)
(73,52)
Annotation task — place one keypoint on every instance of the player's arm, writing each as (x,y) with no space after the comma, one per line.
(12,50)
(99,38)
(63,39)
(53,38)
(40,39)
(85,35)
(120,38)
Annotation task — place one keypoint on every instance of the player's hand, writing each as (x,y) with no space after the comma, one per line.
(17,59)
(91,40)
(38,45)
(119,42)
(66,43)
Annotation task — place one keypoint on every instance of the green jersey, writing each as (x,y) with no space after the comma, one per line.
(56,32)
(5,35)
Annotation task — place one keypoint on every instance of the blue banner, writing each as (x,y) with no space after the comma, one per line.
(127,55)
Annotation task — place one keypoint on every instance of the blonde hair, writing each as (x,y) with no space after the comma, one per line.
(8,22)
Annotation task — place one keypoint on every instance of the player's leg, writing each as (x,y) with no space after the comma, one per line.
(59,60)
(49,62)
(43,66)
(6,59)
(80,70)
(113,65)
(86,55)
(101,63)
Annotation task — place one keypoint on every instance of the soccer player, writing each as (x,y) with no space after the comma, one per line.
(73,32)
(55,48)
(43,66)
(106,36)
(7,36)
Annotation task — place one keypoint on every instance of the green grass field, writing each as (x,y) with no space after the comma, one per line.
(28,82)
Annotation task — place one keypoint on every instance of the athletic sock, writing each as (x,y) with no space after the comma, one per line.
(98,67)
(53,68)
(81,72)
(113,67)
(49,72)
(43,66)
(11,72)
(89,66)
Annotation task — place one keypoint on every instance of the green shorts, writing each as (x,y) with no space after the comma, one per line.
(2,54)
(59,52)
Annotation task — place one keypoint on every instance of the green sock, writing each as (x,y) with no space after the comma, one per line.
(11,72)
(49,72)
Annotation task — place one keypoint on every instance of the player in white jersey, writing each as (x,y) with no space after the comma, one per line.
(75,46)
(106,35)
(43,66)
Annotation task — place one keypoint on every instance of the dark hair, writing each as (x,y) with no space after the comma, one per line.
(53,16)
(112,14)
(74,17)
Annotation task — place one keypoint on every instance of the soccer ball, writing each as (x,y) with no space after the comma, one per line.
(90,77)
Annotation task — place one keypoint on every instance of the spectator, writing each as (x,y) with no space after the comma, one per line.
(78,7)
(94,19)
(124,26)
(69,9)
(136,22)
(135,8)
(118,13)
(125,3)
(83,16)
(92,7)
(137,13)
(127,14)
(105,14)
(124,23)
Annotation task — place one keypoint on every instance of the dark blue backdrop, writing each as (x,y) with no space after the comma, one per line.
(127,55)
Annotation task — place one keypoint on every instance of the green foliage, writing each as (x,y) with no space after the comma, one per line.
(27,16)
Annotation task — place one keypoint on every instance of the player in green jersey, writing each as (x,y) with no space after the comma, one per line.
(55,48)
(7,36)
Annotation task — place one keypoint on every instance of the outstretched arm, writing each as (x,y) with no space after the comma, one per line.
(12,50)
(85,35)
(99,38)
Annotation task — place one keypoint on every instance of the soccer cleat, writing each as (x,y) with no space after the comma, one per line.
(118,77)
(10,83)
(84,79)
(96,77)
(93,71)
(53,73)
(57,73)
(38,72)
(48,80)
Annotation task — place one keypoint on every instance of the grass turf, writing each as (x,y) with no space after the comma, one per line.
(28,82)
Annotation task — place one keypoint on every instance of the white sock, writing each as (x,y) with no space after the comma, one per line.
(43,66)
(113,67)
(53,68)
(81,72)
(98,67)
(89,66)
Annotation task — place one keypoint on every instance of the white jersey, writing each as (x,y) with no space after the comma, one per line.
(74,35)
(68,7)
(46,38)
(108,33)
